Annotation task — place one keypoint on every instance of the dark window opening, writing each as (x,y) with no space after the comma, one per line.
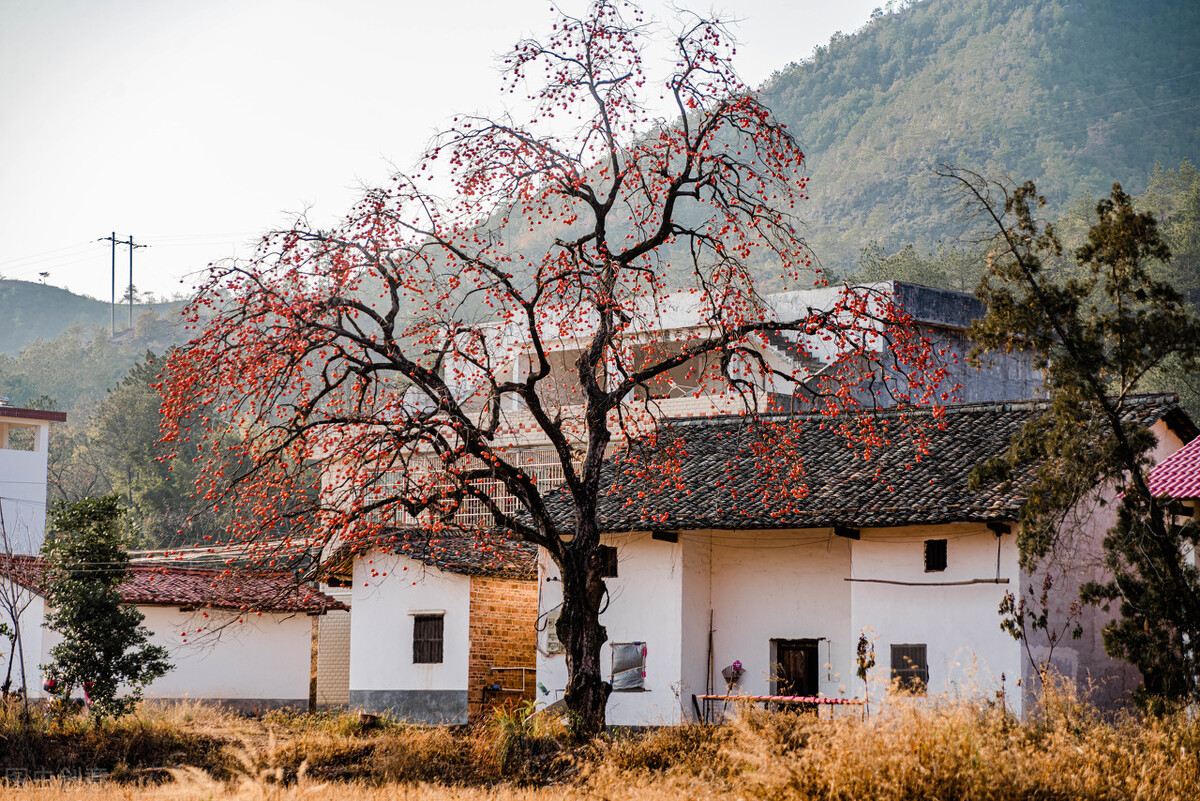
(795,667)
(935,556)
(427,639)
(910,666)
(606,559)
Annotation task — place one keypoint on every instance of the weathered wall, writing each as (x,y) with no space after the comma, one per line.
(645,605)
(967,651)
(23,486)
(792,585)
(1077,559)
(388,591)
(503,635)
(260,663)
(778,585)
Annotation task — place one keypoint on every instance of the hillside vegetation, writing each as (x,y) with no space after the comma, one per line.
(35,311)
(1073,95)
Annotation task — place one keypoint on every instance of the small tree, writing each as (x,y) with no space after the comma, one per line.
(104,648)
(1098,332)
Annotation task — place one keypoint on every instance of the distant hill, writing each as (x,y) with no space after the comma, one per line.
(31,311)
(1074,95)
(55,347)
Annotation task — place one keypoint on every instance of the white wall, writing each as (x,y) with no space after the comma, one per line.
(779,585)
(23,487)
(763,586)
(645,605)
(388,590)
(960,625)
(264,657)
(32,645)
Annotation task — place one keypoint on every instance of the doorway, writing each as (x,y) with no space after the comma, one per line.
(794,667)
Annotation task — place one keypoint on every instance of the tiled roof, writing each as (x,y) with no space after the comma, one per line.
(728,474)
(1178,476)
(156,585)
(32,414)
(488,554)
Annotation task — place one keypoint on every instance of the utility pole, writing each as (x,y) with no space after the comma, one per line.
(132,247)
(112,238)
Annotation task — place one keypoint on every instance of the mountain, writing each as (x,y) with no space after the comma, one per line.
(55,347)
(1073,95)
(33,311)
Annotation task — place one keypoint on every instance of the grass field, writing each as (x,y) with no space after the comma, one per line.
(948,749)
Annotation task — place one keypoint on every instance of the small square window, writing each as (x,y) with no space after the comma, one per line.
(910,666)
(628,666)
(935,556)
(606,560)
(427,639)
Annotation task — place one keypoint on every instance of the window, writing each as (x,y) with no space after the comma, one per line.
(628,666)
(909,665)
(606,556)
(427,639)
(935,556)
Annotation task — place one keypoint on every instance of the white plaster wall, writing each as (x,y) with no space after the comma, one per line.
(960,625)
(263,657)
(23,489)
(551,668)
(696,608)
(32,642)
(644,606)
(777,585)
(388,590)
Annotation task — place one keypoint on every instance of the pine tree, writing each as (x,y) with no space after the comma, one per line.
(1099,333)
(105,648)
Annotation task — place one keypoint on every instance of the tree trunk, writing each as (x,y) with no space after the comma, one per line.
(582,636)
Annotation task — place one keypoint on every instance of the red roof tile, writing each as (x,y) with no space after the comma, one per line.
(1178,476)
(32,414)
(152,585)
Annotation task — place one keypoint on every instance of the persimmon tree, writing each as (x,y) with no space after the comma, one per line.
(401,367)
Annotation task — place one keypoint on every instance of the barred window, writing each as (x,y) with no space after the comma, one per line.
(910,666)
(427,639)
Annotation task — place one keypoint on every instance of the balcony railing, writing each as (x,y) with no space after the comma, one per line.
(543,465)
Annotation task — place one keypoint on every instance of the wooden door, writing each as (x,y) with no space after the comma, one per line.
(796,667)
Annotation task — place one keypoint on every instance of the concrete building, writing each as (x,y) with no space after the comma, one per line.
(24,448)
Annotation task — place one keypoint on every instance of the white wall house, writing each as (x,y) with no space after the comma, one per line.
(441,628)
(24,447)
(908,556)
(241,640)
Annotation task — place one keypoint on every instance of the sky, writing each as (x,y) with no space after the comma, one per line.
(195,127)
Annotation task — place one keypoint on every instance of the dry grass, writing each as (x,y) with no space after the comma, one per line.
(907,750)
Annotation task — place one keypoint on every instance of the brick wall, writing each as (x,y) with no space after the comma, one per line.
(333,652)
(503,634)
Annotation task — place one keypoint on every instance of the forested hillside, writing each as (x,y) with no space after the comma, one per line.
(34,311)
(1074,95)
